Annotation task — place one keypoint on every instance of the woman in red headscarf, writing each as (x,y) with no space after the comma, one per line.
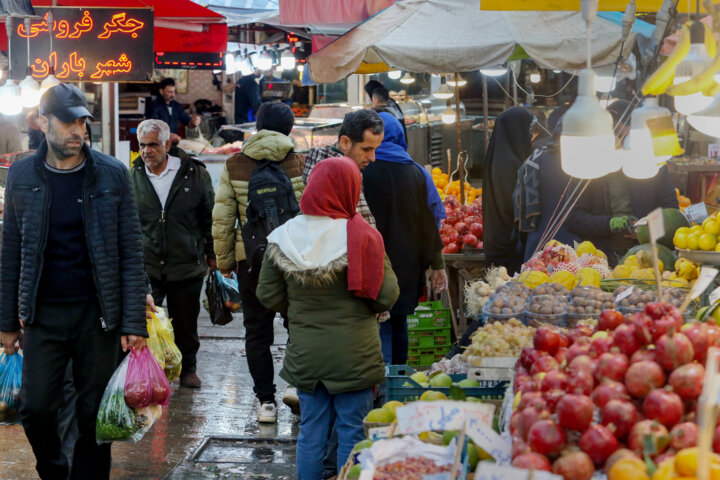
(327,271)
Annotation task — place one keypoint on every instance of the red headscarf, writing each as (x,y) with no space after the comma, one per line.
(333,190)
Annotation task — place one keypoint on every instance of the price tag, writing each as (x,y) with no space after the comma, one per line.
(705,277)
(624,294)
(715,296)
(491,471)
(380,433)
(419,417)
(697,213)
(498,447)
(714,151)
(656,224)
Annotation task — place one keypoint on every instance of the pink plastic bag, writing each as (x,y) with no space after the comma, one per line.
(145,383)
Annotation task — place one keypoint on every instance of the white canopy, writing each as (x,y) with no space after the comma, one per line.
(456,36)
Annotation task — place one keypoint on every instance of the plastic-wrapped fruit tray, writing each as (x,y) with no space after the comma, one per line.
(700,256)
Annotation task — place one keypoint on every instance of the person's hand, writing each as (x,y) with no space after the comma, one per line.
(227,273)
(195,120)
(132,341)
(9,341)
(150,306)
(212,263)
(439,280)
(175,138)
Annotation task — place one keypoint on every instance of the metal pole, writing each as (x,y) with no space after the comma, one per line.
(506,103)
(461,164)
(486,123)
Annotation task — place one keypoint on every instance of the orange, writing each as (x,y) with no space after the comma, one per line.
(628,469)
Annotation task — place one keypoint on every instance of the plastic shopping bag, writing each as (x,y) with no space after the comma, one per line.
(145,383)
(116,421)
(230,291)
(163,347)
(219,313)
(10,381)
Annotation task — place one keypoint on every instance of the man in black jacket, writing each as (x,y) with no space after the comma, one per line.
(167,109)
(175,199)
(71,274)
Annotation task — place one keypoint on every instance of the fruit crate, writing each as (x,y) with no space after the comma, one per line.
(404,389)
(425,357)
(429,338)
(429,315)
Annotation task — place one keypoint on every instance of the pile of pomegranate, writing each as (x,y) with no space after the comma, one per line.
(463,225)
(588,398)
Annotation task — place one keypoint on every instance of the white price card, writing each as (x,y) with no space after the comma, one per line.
(497,446)
(420,417)
(492,471)
(624,294)
(705,278)
(715,296)
(697,212)
(380,433)
(656,224)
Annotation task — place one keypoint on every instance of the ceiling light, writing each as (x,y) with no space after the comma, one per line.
(30,92)
(263,61)
(707,121)
(407,79)
(394,74)
(49,82)
(494,71)
(451,81)
(648,145)
(287,60)
(448,116)
(695,62)
(443,92)
(10,101)
(230,66)
(587,143)
(535,77)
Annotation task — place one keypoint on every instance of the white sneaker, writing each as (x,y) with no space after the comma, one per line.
(290,398)
(267,413)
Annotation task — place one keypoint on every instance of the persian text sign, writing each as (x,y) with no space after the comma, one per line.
(419,417)
(88,45)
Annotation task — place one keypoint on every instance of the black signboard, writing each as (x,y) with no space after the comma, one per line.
(190,60)
(88,45)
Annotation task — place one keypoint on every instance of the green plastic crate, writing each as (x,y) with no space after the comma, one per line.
(402,388)
(429,338)
(425,357)
(434,315)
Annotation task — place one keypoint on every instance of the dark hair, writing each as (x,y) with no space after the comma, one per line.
(166,82)
(355,123)
(374,88)
(275,116)
(88,129)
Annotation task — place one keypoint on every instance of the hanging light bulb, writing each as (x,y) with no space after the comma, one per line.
(707,121)
(394,74)
(30,92)
(287,60)
(648,149)
(494,71)
(587,143)
(695,62)
(244,66)
(301,68)
(448,116)
(230,67)
(263,61)
(535,77)
(407,79)
(49,82)
(10,101)
(451,81)
(443,92)
(557,71)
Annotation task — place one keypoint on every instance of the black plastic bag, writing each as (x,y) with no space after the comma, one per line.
(219,313)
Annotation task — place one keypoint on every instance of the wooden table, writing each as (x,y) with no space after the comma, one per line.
(462,268)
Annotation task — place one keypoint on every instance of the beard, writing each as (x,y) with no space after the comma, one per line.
(62,150)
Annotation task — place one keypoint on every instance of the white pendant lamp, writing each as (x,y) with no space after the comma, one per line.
(460,83)
(707,121)
(407,79)
(535,77)
(448,116)
(30,92)
(643,160)
(443,92)
(494,71)
(695,62)
(587,143)
(10,101)
(263,61)
(394,74)
(287,60)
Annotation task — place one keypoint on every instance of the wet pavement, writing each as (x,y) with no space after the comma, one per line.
(210,433)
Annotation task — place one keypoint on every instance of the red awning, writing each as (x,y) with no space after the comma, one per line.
(318,12)
(182,16)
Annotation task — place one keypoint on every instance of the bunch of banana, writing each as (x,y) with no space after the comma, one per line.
(662,78)
(705,82)
(686,269)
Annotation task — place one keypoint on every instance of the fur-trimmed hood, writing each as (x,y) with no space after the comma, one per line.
(316,276)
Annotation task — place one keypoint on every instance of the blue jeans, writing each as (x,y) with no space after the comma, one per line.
(320,411)
(394,340)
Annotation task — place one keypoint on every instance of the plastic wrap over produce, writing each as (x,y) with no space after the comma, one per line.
(389,451)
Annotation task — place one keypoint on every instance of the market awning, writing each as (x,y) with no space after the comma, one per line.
(180,25)
(455,35)
(336,12)
(243,12)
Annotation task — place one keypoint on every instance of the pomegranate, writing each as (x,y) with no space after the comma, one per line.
(574,466)
(673,350)
(684,435)
(523,383)
(642,377)
(713,334)
(624,338)
(599,443)
(687,380)
(528,356)
(664,406)
(580,382)
(609,390)
(663,325)
(621,414)
(574,412)
(528,417)
(716,440)
(582,362)
(579,348)
(697,333)
(553,397)
(612,366)
(564,340)
(609,320)
(643,354)
(528,399)
(514,422)
(519,446)
(545,364)
(561,355)
(643,326)
(476,228)
(600,345)
(547,438)
(462,228)
(554,380)
(578,332)
(655,430)
(546,339)
(470,240)
(618,455)
(532,461)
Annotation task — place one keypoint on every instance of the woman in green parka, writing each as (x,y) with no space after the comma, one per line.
(327,271)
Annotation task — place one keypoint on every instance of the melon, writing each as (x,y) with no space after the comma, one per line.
(664,254)
(673,219)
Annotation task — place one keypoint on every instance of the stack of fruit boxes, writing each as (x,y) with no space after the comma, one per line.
(428,334)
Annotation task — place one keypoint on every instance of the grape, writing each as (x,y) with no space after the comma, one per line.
(500,339)
(413,468)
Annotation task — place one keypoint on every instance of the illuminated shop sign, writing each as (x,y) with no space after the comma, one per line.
(88,44)
(189,60)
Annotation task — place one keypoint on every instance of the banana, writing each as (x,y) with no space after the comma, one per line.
(705,81)
(662,78)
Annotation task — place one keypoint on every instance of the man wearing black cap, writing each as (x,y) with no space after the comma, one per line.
(381,102)
(72,276)
(271,143)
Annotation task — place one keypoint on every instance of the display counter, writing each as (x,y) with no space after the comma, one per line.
(306,133)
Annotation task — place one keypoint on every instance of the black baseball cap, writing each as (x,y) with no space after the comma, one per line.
(66,102)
